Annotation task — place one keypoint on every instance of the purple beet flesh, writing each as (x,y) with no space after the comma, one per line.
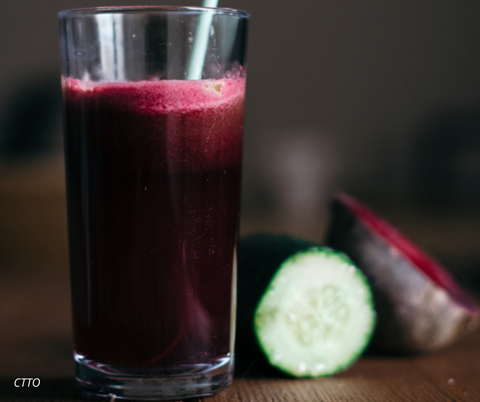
(420,306)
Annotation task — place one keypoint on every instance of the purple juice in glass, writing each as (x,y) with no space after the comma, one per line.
(153,175)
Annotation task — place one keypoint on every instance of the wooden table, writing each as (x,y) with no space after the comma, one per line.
(35,341)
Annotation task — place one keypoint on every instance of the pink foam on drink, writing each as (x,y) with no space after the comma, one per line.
(175,126)
(159,96)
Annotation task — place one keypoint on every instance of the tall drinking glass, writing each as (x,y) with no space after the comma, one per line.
(153,107)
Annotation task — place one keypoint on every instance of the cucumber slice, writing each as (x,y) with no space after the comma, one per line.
(315,316)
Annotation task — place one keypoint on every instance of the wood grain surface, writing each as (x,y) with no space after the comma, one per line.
(35,341)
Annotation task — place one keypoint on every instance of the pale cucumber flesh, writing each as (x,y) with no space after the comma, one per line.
(316,316)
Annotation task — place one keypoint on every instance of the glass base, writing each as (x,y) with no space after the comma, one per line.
(188,381)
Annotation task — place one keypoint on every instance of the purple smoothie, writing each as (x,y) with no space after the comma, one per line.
(153,176)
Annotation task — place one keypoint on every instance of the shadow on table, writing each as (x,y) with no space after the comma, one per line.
(256,368)
(44,357)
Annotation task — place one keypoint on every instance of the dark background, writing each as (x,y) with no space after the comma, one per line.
(379,99)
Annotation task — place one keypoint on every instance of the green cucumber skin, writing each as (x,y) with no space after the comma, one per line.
(259,258)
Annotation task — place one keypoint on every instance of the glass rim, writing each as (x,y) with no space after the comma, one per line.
(88,11)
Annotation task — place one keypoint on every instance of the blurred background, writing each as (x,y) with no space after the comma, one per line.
(377,99)
(381,100)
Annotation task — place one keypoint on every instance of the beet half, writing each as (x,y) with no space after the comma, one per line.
(419,304)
